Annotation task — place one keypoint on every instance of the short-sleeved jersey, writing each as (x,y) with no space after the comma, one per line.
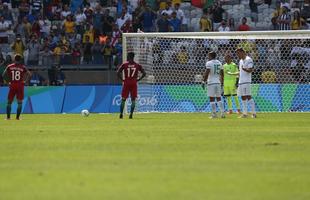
(230,68)
(16,73)
(215,67)
(130,71)
(244,76)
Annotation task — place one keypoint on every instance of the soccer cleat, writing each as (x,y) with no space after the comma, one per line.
(121,116)
(243,116)
(223,115)
(239,112)
(213,116)
(130,116)
(18,119)
(7,119)
(254,115)
(229,112)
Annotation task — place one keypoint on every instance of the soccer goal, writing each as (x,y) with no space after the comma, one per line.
(175,63)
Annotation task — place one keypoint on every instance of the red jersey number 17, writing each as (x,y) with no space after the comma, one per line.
(130,72)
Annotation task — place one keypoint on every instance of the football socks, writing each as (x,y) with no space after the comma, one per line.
(8,110)
(19,110)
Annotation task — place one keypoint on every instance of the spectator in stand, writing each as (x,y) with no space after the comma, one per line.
(163,23)
(268,75)
(208,4)
(305,12)
(97,21)
(116,34)
(64,2)
(231,24)
(223,43)
(123,18)
(27,28)
(57,53)
(148,17)
(180,15)
(275,15)
(118,52)
(65,12)
(85,3)
(298,22)
(87,51)
(46,55)
(4,28)
(96,51)
(284,20)
(45,26)
(73,39)
(76,54)
(107,22)
(18,46)
(176,1)
(56,11)
(15,3)
(24,9)
(135,26)
(7,14)
(19,29)
(34,49)
(244,26)
(36,6)
(108,51)
(32,17)
(223,27)
(64,40)
(89,33)
(175,23)
(69,25)
(80,20)
(36,28)
(182,57)
(253,6)
(152,4)
(168,9)
(88,11)
(161,4)
(205,22)
(121,5)
(218,13)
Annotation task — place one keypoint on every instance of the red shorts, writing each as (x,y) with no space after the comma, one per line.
(16,90)
(130,87)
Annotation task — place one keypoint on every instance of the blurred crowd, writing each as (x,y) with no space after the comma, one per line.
(53,33)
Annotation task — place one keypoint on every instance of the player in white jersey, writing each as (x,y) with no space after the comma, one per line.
(245,79)
(214,77)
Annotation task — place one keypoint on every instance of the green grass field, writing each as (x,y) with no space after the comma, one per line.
(155,157)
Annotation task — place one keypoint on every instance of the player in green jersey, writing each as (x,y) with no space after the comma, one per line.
(230,79)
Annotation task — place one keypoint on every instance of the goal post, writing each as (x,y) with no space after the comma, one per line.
(175,63)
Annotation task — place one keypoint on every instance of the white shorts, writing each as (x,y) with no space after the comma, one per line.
(214,90)
(244,90)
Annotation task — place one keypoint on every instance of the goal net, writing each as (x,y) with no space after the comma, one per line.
(175,64)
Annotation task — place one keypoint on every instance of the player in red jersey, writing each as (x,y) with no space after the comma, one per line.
(18,75)
(128,72)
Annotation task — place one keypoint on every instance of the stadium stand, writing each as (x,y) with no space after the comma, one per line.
(85,35)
